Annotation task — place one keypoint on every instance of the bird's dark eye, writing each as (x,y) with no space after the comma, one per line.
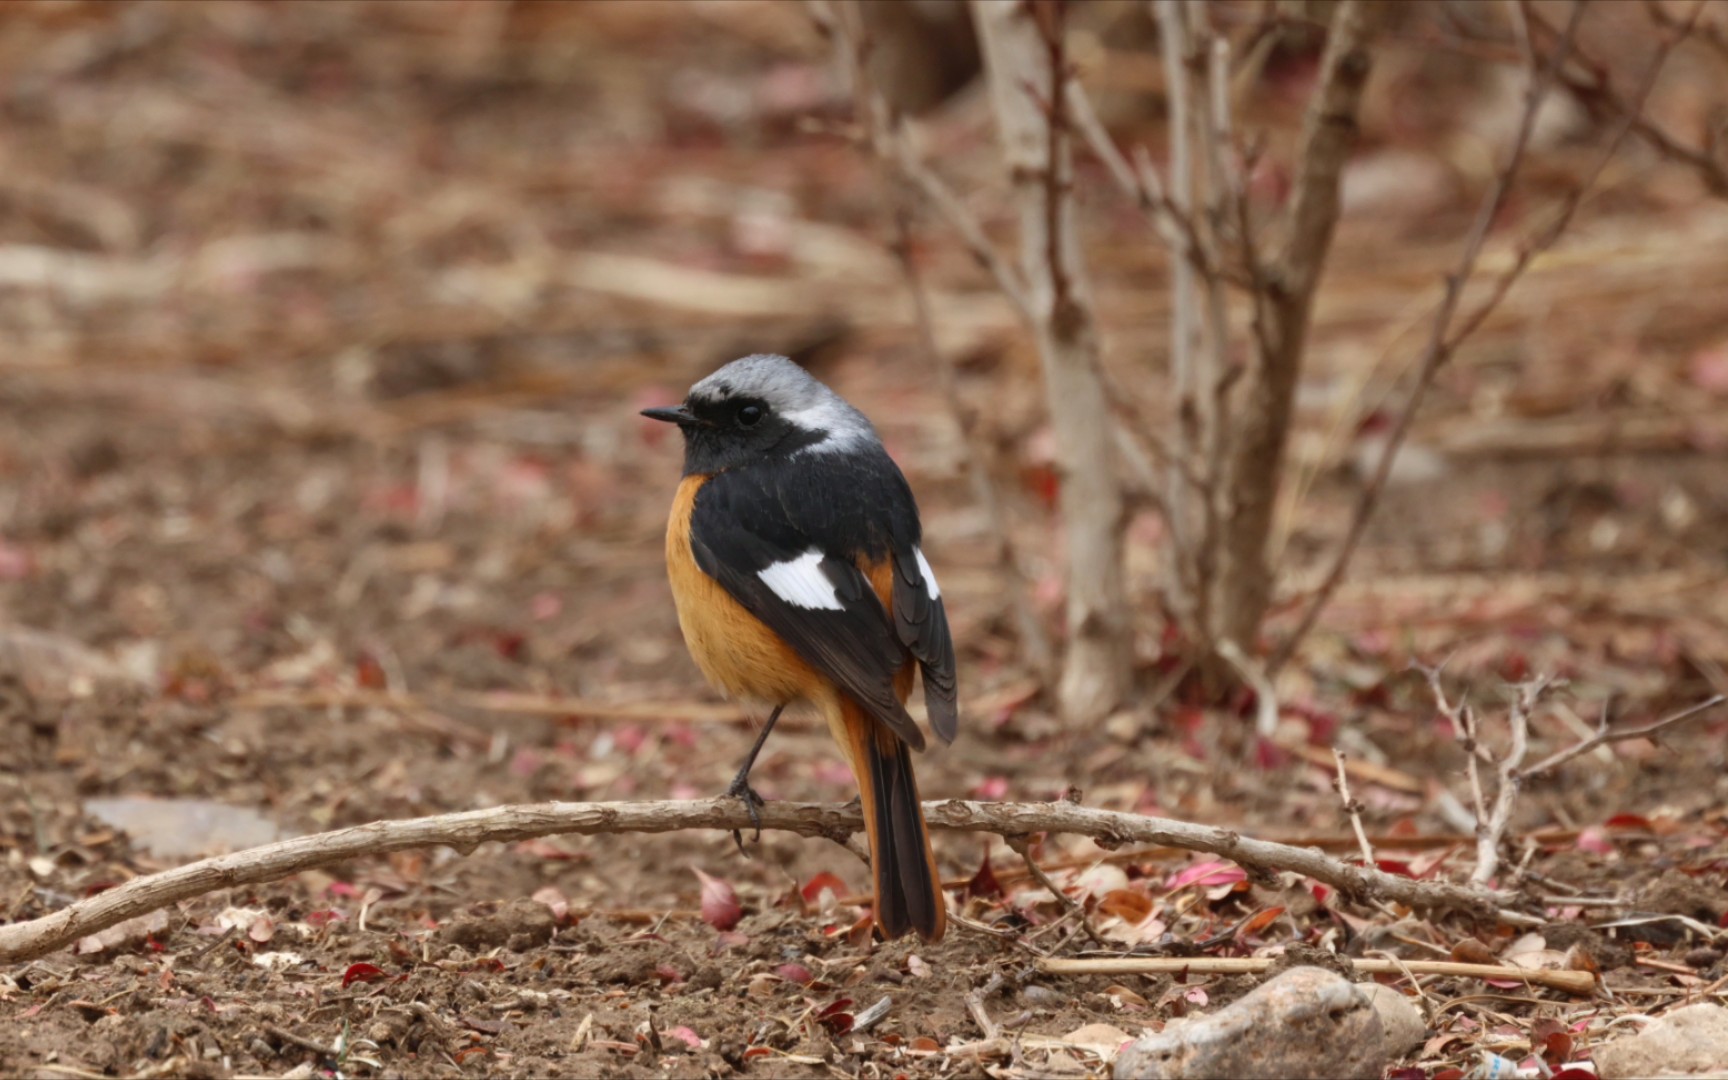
(749,415)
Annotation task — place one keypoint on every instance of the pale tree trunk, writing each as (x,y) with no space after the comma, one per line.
(1256,457)
(1022,46)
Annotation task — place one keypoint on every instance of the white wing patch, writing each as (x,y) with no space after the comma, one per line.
(929,574)
(801,582)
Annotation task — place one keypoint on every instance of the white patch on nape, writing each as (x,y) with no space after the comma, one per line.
(801,583)
(841,427)
(929,574)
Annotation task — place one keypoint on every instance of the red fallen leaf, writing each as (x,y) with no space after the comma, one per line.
(756,1052)
(1629,821)
(1215,872)
(488,963)
(1556,1048)
(1126,904)
(729,939)
(324,917)
(1043,482)
(795,973)
(1260,922)
(667,974)
(835,1017)
(1395,866)
(1411,1073)
(1268,755)
(1723,921)
(369,673)
(984,882)
(813,889)
(1515,667)
(1573,1074)
(924,1044)
(1449,1074)
(684,1035)
(839,1023)
(152,944)
(361,973)
(464,1055)
(720,907)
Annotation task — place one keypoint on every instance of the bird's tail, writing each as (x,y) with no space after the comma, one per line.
(908,886)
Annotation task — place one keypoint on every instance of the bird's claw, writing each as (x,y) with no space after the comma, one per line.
(753,802)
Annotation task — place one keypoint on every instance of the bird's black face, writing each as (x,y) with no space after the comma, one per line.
(733,431)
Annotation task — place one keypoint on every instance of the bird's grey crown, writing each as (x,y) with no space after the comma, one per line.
(795,395)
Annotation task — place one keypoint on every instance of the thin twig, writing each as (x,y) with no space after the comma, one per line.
(1490,831)
(1035,645)
(1574,982)
(975,1005)
(465,831)
(302,1042)
(1589,80)
(888,141)
(1436,352)
(1265,696)
(1073,906)
(1354,809)
(1184,374)
(1604,736)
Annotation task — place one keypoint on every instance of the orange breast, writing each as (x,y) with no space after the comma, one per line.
(741,657)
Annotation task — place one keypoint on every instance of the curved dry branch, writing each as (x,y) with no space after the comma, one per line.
(466,830)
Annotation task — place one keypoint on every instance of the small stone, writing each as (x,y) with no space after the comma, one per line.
(1306,1022)
(1042,997)
(1692,1041)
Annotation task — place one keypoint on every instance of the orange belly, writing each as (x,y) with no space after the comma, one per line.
(739,654)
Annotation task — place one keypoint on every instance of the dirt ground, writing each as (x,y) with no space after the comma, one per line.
(327,330)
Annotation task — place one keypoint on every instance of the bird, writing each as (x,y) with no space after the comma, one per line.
(794,552)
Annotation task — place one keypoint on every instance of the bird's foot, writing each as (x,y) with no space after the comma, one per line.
(742,791)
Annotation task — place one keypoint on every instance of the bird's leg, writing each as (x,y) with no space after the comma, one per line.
(741,788)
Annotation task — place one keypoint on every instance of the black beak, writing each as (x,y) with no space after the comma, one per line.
(679,415)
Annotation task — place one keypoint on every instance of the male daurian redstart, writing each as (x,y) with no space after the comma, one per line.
(794,558)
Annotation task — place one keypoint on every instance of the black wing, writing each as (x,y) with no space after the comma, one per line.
(743,524)
(922,623)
